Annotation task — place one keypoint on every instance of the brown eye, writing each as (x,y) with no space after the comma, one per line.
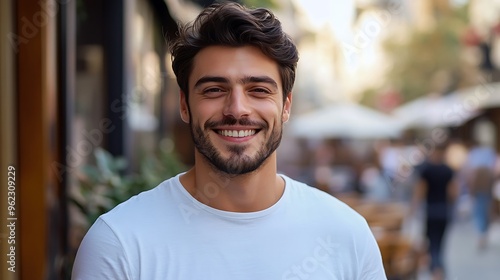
(213,92)
(260,91)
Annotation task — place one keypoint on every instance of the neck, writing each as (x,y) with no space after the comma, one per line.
(250,192)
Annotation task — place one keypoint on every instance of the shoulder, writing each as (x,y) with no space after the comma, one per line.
(450,170)
(308,193)
(101,255)
(142,208)
(110,248)
(338,224)
(422,168)
(322,204)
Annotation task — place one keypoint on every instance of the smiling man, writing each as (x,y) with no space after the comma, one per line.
(232,216)
(236,112)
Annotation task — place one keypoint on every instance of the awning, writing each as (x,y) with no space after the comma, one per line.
(344,120)
(449,110)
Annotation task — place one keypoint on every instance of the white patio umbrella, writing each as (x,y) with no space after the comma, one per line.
(429,112)
(344,120)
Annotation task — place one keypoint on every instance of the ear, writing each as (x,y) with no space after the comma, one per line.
(183,107)
(287,107)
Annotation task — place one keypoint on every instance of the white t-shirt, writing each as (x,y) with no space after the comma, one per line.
(165,233)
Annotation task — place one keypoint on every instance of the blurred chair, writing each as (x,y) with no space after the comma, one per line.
(387,216)
(399,257)
(352,199)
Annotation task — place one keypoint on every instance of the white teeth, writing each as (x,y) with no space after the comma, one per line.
(237,133)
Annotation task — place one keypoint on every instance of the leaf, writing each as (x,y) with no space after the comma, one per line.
(103,185)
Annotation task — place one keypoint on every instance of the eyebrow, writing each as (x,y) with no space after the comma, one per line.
(245,80)
(209,79)
(259,79)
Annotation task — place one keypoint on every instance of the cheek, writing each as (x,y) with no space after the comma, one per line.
(272,113)
(201,114)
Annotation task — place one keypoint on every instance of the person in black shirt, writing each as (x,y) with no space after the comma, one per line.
(437,187)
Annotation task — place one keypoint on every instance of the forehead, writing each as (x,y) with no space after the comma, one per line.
(233,63)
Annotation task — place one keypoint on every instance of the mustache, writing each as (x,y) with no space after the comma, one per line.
(230,120)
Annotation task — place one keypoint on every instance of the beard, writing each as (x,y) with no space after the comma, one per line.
(237,163)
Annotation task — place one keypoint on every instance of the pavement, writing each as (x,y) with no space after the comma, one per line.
(463,259)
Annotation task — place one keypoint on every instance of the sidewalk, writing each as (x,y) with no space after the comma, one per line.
(462,258)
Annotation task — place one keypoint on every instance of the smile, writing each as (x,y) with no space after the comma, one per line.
(237,133)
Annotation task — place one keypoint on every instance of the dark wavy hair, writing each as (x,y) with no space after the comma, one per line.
(231,24)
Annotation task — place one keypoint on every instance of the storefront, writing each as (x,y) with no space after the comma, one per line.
(74,76)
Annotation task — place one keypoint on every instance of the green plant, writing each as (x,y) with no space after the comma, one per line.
(430,60)
(103,185)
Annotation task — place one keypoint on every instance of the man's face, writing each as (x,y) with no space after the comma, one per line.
(235,109)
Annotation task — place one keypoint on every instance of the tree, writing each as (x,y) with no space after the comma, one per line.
(430,60)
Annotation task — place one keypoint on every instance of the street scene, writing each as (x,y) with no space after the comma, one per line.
(391,107)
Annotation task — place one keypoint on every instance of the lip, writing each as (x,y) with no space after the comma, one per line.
(228,131)
(234,127)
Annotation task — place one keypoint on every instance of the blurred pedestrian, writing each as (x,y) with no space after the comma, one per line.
(373,184)
(437,188)
(480,178)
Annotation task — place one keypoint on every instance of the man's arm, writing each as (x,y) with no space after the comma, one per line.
(419,193)
(371,265)
(453,191)
(100,255)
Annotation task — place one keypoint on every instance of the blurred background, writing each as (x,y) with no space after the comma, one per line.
(89,117)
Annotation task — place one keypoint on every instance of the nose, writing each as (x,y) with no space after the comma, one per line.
(237,104)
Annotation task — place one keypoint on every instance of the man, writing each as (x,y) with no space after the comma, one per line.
(232,216)
(480,178)
(438,188)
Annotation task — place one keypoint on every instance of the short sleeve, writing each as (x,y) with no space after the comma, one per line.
(370,260)
(101,255)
